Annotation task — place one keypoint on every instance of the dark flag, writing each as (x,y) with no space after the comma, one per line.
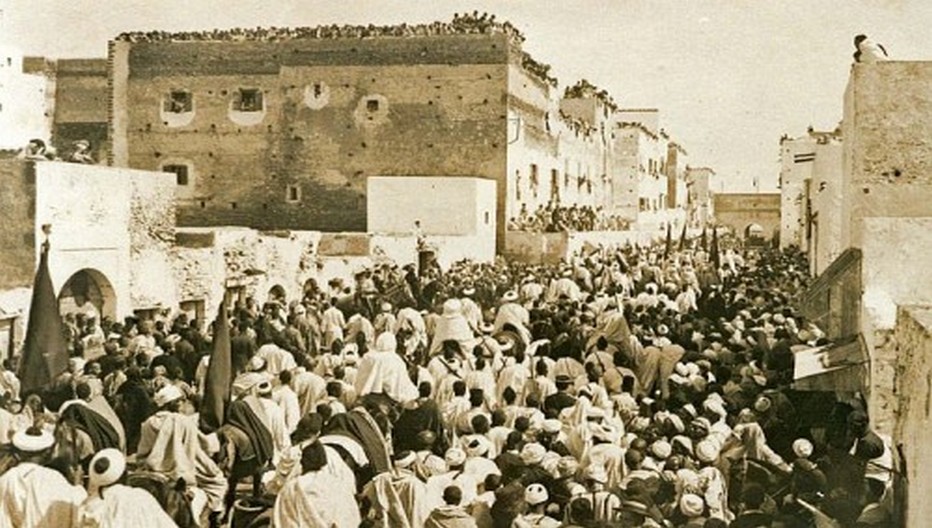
(217,386)
(669,245)
(716,259)
(705,242)
(683,238)
(45,354)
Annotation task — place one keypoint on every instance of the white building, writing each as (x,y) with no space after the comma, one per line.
(23,109)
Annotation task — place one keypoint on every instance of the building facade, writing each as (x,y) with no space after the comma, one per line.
(272,133)
(700,195)
(23,101)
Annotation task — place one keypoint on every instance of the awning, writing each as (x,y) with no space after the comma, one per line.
(837,367)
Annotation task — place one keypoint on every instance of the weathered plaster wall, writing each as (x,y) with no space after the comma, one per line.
(826,195)
(913,390)
(17,230)
(443,205)
(887,155)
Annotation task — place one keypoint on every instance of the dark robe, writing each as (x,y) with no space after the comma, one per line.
(243,415)
(425,416)
(102,434)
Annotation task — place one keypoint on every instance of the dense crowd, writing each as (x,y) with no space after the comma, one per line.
(553,218)
(461,24)
(79,152)
(623,388)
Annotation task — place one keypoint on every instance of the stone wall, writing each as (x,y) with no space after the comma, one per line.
(833,300)
(80,104)
(739,211)
(913,391)
(825,196)
(17,230)
(887,154)
(334,113)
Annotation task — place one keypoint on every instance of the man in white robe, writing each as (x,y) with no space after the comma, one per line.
(113,505)
(32,494)
(452,326)
(383,371)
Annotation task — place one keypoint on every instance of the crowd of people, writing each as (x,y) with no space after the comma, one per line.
(461,24)
(623,388)
(555,218)
(38,150)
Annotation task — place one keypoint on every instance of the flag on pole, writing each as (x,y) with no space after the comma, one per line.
(45,354)
(669,244)
(705,242)
(217,386)
(716,258)
(683,238)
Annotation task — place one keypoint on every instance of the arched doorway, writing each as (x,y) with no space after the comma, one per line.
(88,291)
(753,230)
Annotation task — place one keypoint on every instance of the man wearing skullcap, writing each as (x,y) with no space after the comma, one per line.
(111,504)
(536,497)
(31,493)
(456,475)
(693,508)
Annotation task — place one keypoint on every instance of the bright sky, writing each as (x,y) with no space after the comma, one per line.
(729,76)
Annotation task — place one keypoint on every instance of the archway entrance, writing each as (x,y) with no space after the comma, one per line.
(753,230)
(88,291)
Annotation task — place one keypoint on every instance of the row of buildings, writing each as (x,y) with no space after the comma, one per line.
(858,200)
(277,133)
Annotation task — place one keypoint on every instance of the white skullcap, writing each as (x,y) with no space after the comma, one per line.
(802,448)
(167,394)
(455,457)
(692,505)
(106,467)
(536,494)
(386,342)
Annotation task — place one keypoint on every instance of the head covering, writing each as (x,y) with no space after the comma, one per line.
(264,387)
(510,296)
(692,505)
(533,453)
(684,442)
(567,466)
(486,328)
(707,451)
(536,494)
(469,291)
(405,459)
(802,448)
(605,433)
(452,307)
(256,363)
(386,342)
(106,467)
(661,449)
(455,457)
(167,394)
(762,404)
(386,306)
(551,426)
(478,446)
(33,440)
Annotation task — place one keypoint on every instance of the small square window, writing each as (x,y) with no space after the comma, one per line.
(488,218)
(248,100)
(372,105)
(181,173)
(179,102)
(293,194)
(318,89)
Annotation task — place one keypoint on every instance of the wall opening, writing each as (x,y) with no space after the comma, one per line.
(88,292)
(182,173)
(249,100)
(178,102)
(293,194)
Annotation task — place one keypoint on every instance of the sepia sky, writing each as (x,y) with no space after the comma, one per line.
(729,76)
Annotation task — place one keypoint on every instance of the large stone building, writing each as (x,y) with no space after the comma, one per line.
(284,132)
(749,214)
